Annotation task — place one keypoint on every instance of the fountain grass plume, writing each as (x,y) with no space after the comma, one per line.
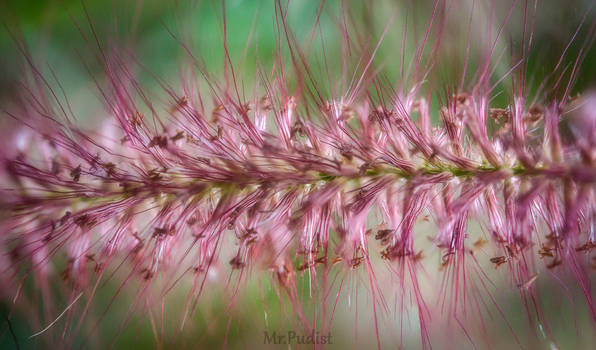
(309,177)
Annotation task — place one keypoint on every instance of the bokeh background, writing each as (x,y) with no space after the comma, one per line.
(58,37)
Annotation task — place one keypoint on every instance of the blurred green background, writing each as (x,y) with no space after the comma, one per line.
(50,30)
